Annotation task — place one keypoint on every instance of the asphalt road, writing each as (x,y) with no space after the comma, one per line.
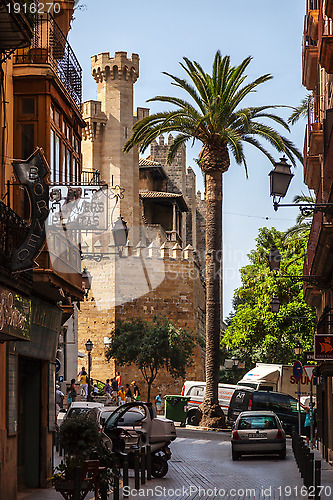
(201,467)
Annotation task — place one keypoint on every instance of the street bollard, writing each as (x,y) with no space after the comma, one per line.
(125,474)
(116,481)
(311,469)
(77,483)
(148,462)
(143,466)
(317,478)
(136,470)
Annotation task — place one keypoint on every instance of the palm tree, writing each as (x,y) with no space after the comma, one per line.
(303,109)
(214,118)
(303,222)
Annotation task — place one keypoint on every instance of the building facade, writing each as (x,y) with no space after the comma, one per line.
(318,175)
(160,270)
(40,270)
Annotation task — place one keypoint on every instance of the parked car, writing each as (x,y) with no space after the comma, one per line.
(283,405)
(258,432)
(196,392)
(79,407)
(136,425)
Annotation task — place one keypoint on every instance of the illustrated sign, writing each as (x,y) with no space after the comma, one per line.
(31,174)
(309,371)
(297,370)
(78,207)
(14,316)
(323,346)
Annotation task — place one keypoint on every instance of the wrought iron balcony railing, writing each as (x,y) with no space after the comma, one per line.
(50,46)
(13,231)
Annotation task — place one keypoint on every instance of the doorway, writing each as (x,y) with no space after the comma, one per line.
(28,425)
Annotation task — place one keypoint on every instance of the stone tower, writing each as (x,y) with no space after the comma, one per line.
(109,124)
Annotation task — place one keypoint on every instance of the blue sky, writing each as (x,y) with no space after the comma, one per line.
(162,34)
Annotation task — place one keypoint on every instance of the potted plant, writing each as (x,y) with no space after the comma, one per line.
(87,461)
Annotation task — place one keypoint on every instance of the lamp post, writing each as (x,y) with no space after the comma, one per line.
(275,304)
(298,349)
(86,281)
(235,363)
(280,178)
(89,346)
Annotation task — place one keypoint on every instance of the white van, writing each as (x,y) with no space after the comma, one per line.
(196,392)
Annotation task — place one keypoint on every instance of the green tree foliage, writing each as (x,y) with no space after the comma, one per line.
(255,333)
(152,346)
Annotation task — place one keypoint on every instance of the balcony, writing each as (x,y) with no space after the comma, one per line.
(312,154)
(16,24)
(59,271)
(13,231)
(325,42)
(311,21)
(309,62)
(49,47)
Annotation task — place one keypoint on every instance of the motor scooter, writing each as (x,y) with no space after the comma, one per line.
(134,426)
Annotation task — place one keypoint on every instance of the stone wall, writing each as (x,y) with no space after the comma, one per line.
(174,288)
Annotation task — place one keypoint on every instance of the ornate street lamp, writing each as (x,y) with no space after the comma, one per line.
(274,258)
(280,178)
(120,232)
(235,363)
(298,349)
(89,347)
(86,281)
(275,305)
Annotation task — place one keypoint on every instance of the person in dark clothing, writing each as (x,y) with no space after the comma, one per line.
(114,385)
(71,392)
(128,394)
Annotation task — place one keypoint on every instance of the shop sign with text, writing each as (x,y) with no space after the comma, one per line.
(82,208)
(14,316)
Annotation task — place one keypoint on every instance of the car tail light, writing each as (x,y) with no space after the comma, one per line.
(183,390)
(279,434)
(250,404)
(235,435)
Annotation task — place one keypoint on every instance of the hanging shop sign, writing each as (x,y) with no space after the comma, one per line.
(14,316)
(31,174)
(323,346)
(82,208)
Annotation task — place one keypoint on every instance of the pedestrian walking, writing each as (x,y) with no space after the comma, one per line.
(84,383)
(71,392)
(59,398)
(114,385)
(118,378)
(158,403)
(107,391)
(128,394)
(95,390)
(121,396)
(136,391)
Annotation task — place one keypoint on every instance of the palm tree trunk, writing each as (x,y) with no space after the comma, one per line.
(212,414)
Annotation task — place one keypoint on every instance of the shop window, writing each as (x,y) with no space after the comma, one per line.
(27,140)
(57,159)
(52,151)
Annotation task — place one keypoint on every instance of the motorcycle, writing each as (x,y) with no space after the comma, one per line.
(134,426)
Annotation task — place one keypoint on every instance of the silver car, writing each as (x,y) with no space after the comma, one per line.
(257,432)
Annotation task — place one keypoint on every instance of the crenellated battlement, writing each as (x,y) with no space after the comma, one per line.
(119,67)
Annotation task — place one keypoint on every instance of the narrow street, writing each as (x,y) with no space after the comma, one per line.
(201,467)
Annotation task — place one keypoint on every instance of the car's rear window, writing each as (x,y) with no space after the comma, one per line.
(257,422)
(73,412)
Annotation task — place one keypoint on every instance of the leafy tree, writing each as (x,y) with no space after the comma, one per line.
(152,346)
(255,333)
(214,117)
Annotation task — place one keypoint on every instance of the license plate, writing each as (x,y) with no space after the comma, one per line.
(257,435)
